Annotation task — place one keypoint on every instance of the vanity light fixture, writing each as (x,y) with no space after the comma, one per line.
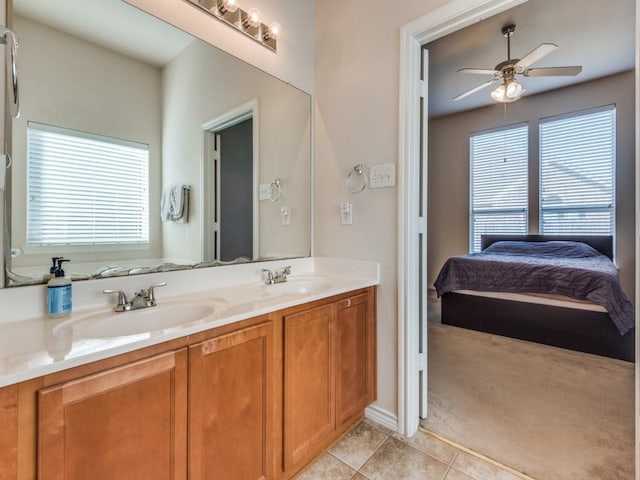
(248,22)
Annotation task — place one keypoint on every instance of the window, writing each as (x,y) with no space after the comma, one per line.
(85,189)
(577,173)
(499,189)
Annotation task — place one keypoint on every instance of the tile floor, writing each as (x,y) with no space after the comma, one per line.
(372,452)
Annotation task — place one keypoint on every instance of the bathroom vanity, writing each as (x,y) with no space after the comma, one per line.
(256,389)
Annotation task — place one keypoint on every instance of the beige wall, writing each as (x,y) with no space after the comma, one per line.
(356,121)
(71,83)
(218,83)
(448,216)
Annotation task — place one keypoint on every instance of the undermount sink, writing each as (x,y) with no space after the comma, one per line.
(299,286)
(144,320)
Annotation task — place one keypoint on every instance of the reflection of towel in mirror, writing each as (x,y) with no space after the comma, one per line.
(174,204)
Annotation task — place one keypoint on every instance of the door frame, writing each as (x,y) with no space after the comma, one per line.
(447,19)
(209,129)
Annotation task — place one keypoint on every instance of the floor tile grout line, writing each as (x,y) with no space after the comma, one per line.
(371,456)
(480,456)
(406,441)
(453,460)
(446,472)
(378,448)
(380,428)
(450,466)
(387,435)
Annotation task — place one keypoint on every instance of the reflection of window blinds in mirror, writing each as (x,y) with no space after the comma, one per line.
(70,204)
(499,190)
(577,173)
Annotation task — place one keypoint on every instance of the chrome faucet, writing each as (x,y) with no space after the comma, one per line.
(143,299)
(279,276)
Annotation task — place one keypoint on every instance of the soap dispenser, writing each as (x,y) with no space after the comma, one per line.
(59,291)
(52,270)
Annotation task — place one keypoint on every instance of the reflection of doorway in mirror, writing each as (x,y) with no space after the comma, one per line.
(229,178)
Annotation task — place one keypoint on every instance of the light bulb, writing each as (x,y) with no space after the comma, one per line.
(274,30)
(253,17)
(514,90)
(499,93)
(228,6)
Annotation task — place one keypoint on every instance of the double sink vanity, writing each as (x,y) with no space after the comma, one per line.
(225,378)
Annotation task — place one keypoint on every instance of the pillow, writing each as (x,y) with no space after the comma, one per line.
(544,249)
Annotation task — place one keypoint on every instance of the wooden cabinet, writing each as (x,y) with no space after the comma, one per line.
(308,391)
(9,436)
(355,356)
(329,375)
(127,422)
(231,407)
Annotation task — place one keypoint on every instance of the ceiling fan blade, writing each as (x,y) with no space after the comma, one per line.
(481,71)
(534,55)
(552,71)
(475,89)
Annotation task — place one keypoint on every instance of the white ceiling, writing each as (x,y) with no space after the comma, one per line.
(112,24)
(597,34)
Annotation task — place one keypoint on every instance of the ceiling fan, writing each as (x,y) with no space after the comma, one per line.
(505,72)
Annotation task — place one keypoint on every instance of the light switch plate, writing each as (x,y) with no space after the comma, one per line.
(286,215)
(346,213)
(381,176)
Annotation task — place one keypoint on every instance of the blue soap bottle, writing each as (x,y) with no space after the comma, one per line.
(59,291)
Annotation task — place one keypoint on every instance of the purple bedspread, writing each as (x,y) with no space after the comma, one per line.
(566,268)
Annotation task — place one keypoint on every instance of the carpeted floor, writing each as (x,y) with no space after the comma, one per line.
(550,413)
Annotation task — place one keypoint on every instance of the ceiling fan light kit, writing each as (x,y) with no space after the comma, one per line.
(505,72)
(510,93)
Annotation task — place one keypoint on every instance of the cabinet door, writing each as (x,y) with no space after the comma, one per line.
(125,423)
(309,415)
(355,356)
(231,406)
(9,433)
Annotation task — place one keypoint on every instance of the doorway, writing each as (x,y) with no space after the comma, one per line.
(412,169)
(454,16)
(230,175)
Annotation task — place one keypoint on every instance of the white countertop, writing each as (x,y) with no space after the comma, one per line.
(37,345)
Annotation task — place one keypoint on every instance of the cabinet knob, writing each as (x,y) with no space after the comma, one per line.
(347,303)
(208,347)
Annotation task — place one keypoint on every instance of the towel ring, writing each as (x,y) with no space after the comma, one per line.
(275,190)
(351,179)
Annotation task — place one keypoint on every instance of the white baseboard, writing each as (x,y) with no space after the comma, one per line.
(384,417)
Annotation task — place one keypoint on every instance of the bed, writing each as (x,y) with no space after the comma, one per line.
(555,290)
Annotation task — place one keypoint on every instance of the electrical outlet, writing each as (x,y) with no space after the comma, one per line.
(265,190)
(381,176)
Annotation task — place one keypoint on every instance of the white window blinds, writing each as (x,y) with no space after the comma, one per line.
(577,173)
(85,189)
(499,183)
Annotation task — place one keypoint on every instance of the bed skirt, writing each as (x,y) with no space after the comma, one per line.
(580,330)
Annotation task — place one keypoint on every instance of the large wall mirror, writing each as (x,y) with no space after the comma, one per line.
(140,148)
